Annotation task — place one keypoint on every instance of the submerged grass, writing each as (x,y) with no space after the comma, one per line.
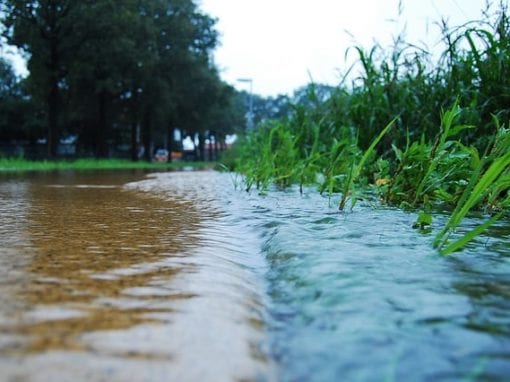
(385,137)
(20,165)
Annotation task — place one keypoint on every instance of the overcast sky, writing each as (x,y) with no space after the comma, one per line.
(279,44)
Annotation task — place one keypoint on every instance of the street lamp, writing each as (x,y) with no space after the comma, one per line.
(249,114)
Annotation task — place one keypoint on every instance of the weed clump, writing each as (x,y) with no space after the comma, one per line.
(405,132)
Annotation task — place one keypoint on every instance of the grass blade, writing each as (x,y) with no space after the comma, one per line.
(460,243)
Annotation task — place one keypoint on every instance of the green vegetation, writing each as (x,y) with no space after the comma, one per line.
(405,132)
(116,79)
(18,165)
(113,76)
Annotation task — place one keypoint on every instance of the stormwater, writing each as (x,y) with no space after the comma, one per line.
(183,276)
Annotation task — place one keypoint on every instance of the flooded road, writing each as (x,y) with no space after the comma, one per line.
(181,277)
(99,281)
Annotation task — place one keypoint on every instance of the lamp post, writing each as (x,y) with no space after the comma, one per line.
(249,114)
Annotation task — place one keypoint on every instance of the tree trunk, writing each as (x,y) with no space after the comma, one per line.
(53,130)
(212,151)
(53,98)
(217,146)
(134,141)
(170,142)
(147,136)
(102,127)
(201,147)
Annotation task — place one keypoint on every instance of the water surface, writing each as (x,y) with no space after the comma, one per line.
(361,296)
(181,276)
(104,281)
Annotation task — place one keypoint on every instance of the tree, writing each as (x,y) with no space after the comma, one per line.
(103,70)
(47,30)
(12,117)
(110,72)
(178,41)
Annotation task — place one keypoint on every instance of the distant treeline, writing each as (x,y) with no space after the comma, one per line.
(112,73)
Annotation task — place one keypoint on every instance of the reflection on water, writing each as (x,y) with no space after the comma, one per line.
(93,278)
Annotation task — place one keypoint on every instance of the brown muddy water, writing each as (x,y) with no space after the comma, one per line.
(100,280)
(184,277)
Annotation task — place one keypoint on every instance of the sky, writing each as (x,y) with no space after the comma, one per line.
(283,44)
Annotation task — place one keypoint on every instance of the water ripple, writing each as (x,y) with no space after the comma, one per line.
(203,279)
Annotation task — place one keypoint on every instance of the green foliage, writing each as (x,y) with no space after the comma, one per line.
(119,72)
(423,220)
(432,172)
(14,108)
(484,187)
(356,168)
(457,159)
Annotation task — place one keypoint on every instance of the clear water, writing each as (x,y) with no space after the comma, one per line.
(179,276)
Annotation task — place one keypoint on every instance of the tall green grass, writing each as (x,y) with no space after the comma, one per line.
(490,184)
(405,131)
